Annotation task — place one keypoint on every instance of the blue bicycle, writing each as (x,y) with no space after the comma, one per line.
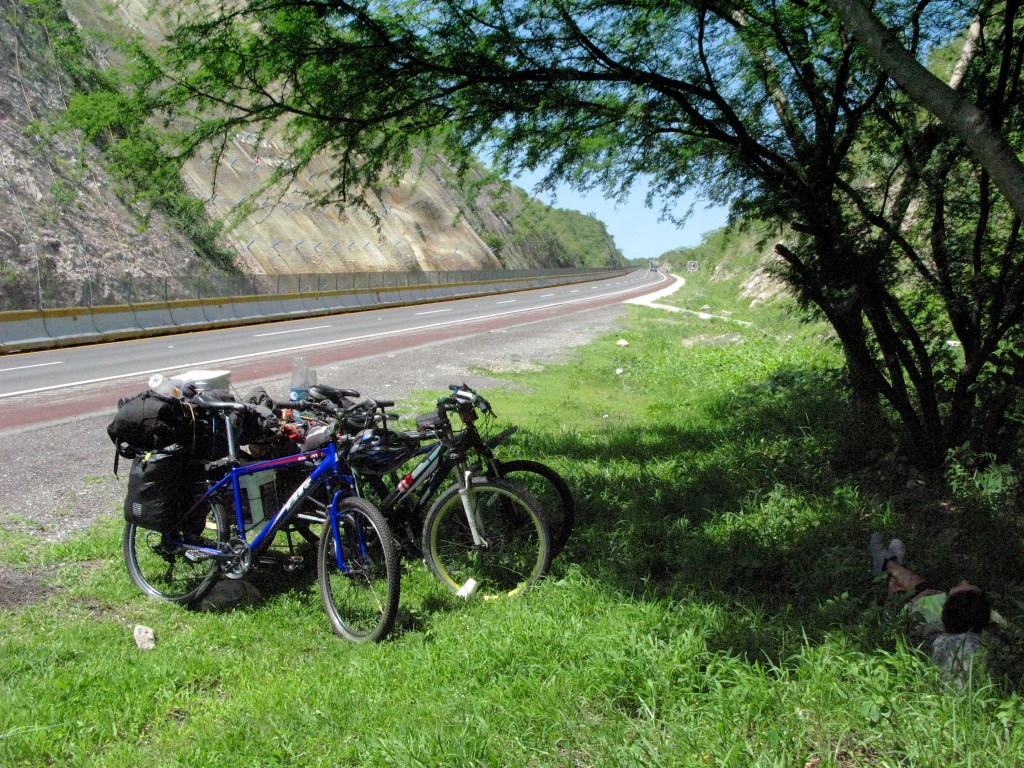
(358,566)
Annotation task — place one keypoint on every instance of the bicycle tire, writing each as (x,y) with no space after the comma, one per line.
(162,570)
(360,589)
(518,543)
(550,489)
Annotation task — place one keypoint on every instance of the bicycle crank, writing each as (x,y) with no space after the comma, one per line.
(237,559)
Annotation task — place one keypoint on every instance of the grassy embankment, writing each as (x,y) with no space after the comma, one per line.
(713,607)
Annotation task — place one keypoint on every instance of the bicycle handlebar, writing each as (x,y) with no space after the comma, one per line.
(463,395)
(359,415)
(324,406)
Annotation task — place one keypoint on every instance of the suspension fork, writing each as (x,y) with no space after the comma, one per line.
(469,506)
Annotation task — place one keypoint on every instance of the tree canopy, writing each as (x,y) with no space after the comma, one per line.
(901,240)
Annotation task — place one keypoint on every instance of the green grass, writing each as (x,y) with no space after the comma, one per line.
(713,608)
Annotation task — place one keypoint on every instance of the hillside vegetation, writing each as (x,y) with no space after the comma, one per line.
(714,606)
(87,194)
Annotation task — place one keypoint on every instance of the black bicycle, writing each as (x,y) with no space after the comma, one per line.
(480,533)
(541,481)
(391,449)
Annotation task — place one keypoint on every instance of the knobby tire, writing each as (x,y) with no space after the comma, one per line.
(360,595)
(550,489)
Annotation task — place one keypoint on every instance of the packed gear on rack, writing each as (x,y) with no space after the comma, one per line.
(171,443)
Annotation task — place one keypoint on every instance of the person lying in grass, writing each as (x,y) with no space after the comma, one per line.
(953,621)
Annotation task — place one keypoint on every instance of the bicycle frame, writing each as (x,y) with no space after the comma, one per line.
(328,467)
(431,473)
(423,474)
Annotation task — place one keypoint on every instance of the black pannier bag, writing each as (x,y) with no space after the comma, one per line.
(151,421)
(162,487)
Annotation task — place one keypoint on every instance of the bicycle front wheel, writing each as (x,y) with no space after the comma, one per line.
(359,571)
(162,569)
(550,489)
(512,549)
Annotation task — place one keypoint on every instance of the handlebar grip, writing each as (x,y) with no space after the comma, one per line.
(465,393)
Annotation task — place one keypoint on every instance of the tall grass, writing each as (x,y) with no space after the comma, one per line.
(714,606)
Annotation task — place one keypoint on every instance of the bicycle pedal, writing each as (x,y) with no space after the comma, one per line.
(293,564)
(196,555)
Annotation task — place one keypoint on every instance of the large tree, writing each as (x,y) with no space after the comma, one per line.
(900,240)
(963,117)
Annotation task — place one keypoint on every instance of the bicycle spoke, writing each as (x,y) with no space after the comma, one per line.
(359,573)
(515,551)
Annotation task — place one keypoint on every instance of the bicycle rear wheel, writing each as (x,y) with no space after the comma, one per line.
(168,571)
(359,572)
(516,547)
(550,489)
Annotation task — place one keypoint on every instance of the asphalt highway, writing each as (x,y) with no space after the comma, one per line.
(77,380)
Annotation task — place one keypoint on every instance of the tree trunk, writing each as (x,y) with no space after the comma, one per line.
(957,113)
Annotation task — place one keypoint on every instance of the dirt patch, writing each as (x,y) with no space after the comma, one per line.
(19,588)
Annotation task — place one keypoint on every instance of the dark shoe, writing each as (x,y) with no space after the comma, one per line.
(897,551)
(880,555)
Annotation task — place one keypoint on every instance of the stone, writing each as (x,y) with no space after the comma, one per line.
(145,639)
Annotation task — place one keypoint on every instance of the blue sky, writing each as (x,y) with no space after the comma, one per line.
(635,228)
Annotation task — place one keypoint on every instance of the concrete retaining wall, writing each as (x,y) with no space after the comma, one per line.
(25,330)
(187,313)
(153,315)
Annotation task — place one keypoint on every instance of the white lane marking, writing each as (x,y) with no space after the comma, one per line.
(293,330)
(433,312)
(577,290)
(333,342)
(508,301)
(34,365)
(545,296)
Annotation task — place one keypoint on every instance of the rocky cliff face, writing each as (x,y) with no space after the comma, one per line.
(64,232)
(59,219)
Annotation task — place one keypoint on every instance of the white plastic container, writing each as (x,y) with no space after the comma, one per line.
(259,497)
(206,380)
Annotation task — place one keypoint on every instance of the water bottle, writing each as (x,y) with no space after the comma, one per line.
(164,386)
(303,377)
